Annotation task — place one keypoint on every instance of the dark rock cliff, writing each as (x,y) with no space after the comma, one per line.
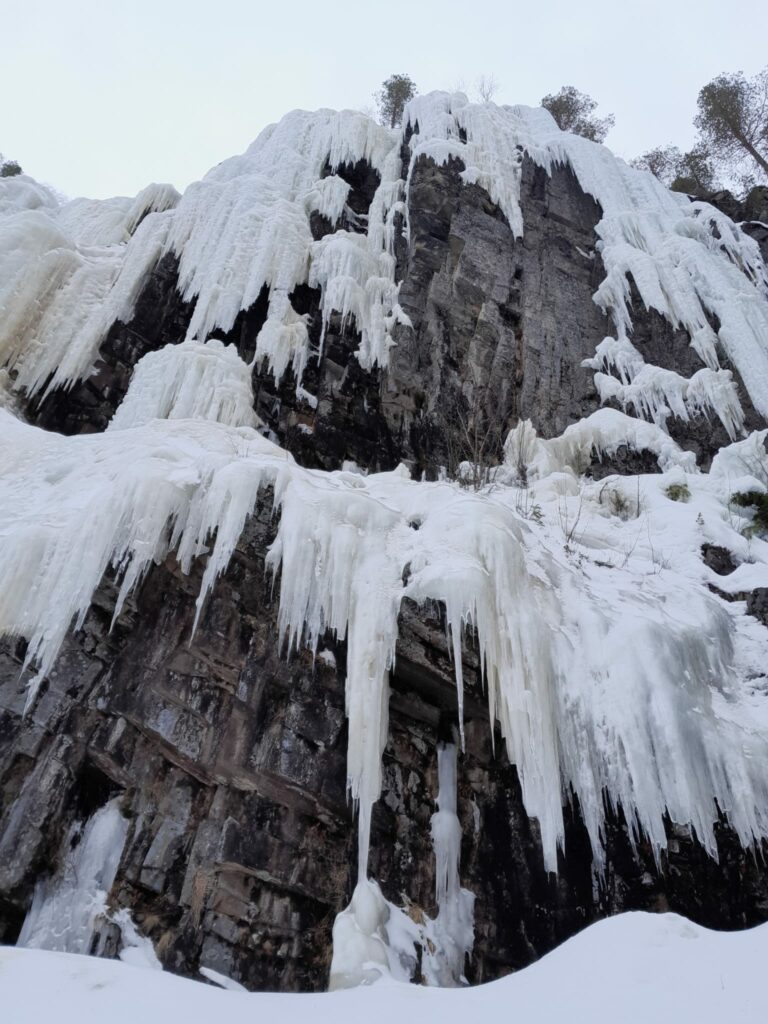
(228,758)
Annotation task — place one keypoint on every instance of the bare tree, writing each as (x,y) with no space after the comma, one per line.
(695,172)
(662,162)
(573,111)
(474,437)
(487,87)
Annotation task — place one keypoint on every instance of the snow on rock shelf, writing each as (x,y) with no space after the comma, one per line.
(632,968)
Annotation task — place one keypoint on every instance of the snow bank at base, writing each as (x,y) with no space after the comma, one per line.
(633,968)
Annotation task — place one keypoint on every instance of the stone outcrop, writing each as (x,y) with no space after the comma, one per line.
(228,757)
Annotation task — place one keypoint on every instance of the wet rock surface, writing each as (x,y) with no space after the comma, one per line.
(228,757)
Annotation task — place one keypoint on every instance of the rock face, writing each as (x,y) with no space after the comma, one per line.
(229,759)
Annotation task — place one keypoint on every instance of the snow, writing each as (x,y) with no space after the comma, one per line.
(634,968)
(601,433)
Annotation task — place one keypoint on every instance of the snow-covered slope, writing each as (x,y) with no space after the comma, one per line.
(634,968)
(615,671)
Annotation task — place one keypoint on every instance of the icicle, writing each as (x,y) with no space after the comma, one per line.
(189,381)
(455,920)
(655,393)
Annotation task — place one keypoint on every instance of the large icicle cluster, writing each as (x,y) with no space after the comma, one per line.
(558,639)
(688,261)
(246,225)
(69,271)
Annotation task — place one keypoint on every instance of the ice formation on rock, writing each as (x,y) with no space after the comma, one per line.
(613,669)
(688,261)
(70,271)
(602,433)
(189,381)
(454,924)
(373,937)
(655,393)
(557,639)
(65,908)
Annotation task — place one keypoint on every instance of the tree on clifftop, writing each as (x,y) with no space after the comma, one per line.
(690,172)
(392,97)
(733,120)
(9,168)
(573,112)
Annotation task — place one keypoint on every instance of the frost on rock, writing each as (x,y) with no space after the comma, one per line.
(65,908)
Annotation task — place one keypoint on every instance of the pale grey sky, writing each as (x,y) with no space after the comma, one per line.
(100,98)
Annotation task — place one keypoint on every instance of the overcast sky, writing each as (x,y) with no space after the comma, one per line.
(99,98)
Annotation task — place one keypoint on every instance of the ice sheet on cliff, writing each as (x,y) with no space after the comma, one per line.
(611,666)
(572,607)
